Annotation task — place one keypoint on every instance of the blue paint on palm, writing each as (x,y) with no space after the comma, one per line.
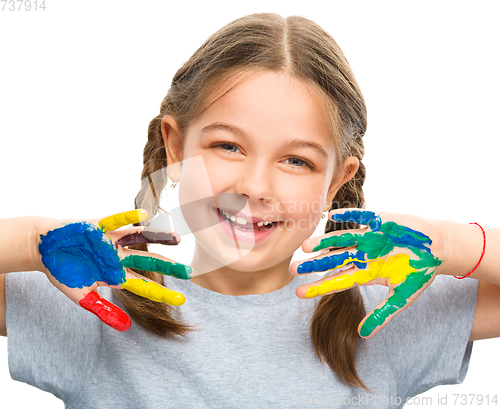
(78,255)
(378,242)
(393,233)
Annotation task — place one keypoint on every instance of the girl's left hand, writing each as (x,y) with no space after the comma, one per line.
(402,252)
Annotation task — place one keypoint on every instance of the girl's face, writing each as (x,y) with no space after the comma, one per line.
(267,153)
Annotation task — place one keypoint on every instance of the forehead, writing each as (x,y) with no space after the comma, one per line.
(270,105)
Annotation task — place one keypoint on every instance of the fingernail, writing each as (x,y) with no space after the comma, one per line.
(312,292)
(181,271)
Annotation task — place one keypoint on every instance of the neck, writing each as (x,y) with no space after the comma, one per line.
(238,278)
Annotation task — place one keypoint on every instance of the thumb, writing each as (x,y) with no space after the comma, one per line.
(90,300)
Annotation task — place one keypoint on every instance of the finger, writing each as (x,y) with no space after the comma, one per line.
(399,299)
(317,286)
(118,220)
(153,291)
(146,235)
(363,217)
(315,243)
(157,263)
(402,236)
(330,261)
(373,243)
(343,240)
(393,271)
(90,300)
(341,283)
(106,311)
(309,245)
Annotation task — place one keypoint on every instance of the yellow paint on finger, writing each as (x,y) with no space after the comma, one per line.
(395,268)
(118,220)
(153,291)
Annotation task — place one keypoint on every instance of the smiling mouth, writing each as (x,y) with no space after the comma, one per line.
(244,225)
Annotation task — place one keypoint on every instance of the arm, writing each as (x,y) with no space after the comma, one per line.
(466,244)
(79,256)
(17,253)
(404,253)
(18,249)
(3,323)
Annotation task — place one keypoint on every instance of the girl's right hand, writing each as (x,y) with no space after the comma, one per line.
(79,256)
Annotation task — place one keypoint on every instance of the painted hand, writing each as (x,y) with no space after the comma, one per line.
(384,252)
(81,256)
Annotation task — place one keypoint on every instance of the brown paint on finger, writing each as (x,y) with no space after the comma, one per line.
(149,236)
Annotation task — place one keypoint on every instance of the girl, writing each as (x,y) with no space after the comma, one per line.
(272,108)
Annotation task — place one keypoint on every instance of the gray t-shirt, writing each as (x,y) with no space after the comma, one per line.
(250,351)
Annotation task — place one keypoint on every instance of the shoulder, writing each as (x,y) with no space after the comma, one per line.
(45,327)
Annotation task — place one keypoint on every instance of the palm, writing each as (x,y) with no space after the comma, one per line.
(389,253)
(81,256)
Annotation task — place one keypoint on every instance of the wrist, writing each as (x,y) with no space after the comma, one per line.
(29,231)
(463,246)
(40,226)
(18,244)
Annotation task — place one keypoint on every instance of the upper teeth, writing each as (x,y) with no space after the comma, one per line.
(242,221)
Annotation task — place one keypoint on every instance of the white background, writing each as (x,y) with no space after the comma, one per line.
(81,81)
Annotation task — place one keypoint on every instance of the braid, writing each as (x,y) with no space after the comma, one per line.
(153,176)
(155,316)
(336,318)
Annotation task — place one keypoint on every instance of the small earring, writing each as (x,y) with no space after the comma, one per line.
(325,211)
(174,184)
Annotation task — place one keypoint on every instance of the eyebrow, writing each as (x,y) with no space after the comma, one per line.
(293,143)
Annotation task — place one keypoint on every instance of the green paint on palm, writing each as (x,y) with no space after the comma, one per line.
(402,293)
(379,242)
(425,259)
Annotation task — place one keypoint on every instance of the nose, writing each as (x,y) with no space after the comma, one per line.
(255,182)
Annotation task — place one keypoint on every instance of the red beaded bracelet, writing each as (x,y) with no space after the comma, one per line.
(482,254)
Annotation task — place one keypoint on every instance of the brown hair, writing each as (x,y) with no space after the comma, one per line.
(302,48)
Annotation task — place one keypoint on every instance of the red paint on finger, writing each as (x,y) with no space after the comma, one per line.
(107,312)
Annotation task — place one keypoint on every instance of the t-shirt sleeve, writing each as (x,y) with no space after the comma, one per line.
(53,344)
(427,344)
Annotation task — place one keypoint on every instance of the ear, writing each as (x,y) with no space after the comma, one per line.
(172,139)
(343,175)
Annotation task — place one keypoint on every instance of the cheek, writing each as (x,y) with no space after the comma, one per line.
(209,172)
(201,174)
(196,194)
(303,213)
